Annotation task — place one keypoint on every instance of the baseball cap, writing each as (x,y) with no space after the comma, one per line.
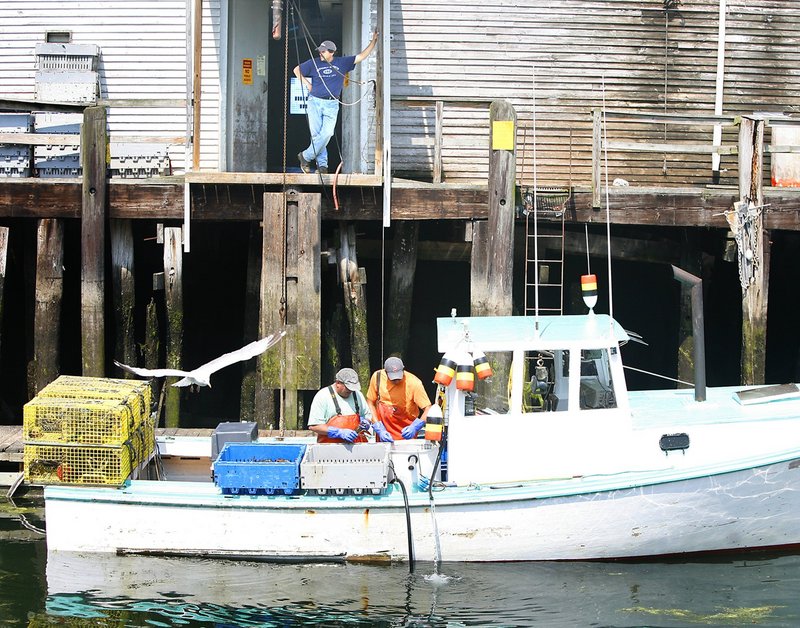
(349,378)
(327,45)
(394,368)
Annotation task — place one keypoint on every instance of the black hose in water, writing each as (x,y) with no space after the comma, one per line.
(408,525)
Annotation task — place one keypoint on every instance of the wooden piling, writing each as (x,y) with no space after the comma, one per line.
(353,280)
(173,296)
(291,296)
(493,243)
(3,258)
(401,286)
(251,383)
(124,296)
(49,292)
(94,148)
(754,298)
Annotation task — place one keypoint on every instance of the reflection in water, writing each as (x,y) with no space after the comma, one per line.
(180,591)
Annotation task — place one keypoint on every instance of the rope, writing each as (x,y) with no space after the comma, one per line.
(282,312)
(671,379)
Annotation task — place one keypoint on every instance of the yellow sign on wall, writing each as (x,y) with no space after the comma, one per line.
(247,71)
(503,135)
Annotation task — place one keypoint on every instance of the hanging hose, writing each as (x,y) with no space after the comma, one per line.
(396,480)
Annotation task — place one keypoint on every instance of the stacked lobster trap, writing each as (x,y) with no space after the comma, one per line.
(88,430)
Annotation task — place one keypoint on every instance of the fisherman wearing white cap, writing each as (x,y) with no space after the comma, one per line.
(339,413)
(396,398)
(323,80)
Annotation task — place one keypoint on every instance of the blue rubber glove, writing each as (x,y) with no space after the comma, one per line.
(381,433)
(410,431)
(343,433)
(364,424)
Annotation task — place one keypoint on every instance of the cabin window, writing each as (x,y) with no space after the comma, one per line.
(597,387)
(492,395)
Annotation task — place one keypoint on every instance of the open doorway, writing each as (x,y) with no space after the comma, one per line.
(263,108)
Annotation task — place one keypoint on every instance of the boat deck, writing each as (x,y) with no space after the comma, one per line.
(11,445)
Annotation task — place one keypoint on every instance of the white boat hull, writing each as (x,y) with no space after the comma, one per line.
(753,508)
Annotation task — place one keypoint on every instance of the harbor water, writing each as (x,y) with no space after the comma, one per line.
(37,589)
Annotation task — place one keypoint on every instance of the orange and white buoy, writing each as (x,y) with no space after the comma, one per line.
(482,367)
(589,290)
(446,370)
(434,423)
(465,375)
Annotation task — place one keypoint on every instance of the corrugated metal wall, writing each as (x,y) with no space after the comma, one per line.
(631,54)
(143,56)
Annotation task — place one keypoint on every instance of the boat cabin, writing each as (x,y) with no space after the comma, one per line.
(566,388)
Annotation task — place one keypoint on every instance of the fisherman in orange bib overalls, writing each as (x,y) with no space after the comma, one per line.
(339,413)
(396,397)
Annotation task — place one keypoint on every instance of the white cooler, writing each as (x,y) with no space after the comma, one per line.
(412,458)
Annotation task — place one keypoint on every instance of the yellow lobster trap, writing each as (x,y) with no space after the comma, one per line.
(137,394)
(78,421)
(70,463)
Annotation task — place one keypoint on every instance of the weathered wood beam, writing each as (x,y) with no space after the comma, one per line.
(354,280)
(163,200)
(94,144)
(173,296)
(491,282)
(291,296)
(754,299)
(401,287)
(124,297)
(3,258)
(250,379)
(49,292)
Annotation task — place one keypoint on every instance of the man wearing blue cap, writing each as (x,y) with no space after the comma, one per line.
(323,80)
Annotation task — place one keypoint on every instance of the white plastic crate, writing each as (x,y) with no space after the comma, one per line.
(339,468)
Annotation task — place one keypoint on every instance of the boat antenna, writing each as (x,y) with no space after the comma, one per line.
(608,210)
(535,211)
(588,261)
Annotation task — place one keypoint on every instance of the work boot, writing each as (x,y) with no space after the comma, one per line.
(322,170)
(304,166)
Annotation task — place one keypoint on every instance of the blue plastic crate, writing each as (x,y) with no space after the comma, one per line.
(258,468)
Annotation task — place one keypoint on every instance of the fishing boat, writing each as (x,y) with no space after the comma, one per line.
(569,465)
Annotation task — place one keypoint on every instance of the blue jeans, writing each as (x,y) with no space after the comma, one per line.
(322,115)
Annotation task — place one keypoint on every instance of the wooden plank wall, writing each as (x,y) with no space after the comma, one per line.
(635,53)
(142,56)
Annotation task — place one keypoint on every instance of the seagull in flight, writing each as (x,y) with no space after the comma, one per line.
(201,376)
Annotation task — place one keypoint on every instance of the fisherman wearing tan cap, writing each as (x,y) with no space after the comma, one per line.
(396,398)
(339,413)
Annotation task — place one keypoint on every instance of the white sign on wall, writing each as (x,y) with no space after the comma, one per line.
(297,96)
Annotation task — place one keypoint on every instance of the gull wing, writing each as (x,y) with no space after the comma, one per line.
(151,372)
(245,353)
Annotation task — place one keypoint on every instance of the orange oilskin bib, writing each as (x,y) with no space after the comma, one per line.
(394,419)
(346,421)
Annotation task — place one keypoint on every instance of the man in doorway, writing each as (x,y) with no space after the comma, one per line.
(323,80)
(339,413)
(396,397)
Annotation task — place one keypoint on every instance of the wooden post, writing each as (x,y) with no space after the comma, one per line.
(437,144)
(493,244)
(691,263)
(754,298)
(3,258)
(353,281)
(49,291)
(94,146)
(597,156)
(124,292)
(291,297)
(173,295)
(251,299)
(401,287)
